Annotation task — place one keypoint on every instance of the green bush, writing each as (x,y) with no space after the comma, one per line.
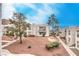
(10,33)
(49,46)
(52,45)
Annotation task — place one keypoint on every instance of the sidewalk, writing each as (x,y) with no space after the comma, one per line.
(67,48)
(5,52)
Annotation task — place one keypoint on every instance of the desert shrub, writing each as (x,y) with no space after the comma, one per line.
(55,44)
(52,45)
(49,46)
(10,33)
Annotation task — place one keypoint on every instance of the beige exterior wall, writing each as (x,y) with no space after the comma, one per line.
(47,30)
(34,30)
(62,34)
(71,37)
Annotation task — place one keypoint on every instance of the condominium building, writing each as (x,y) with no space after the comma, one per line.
(38,30)
(33,29)
(72,36)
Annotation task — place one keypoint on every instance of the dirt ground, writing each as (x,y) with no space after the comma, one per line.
(7,38)
(37,47)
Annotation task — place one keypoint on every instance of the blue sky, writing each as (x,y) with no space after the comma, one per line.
(38,13)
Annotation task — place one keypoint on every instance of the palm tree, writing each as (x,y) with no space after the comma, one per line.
(20,24)
(53,23)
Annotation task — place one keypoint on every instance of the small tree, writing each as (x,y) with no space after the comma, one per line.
(53,22)
(20,24)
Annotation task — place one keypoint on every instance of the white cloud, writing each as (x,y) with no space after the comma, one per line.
(50,10)
(38,18)
(7,10)
(46,9)
(42,13)
(31,6)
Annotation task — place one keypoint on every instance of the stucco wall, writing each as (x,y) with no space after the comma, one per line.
(35,30)
(71,36)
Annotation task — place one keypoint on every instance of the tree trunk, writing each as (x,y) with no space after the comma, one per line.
(21,39)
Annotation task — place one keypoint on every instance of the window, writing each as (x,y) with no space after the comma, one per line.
(42,28)
(40,33)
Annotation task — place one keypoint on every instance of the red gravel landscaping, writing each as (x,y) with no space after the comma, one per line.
(4,37)
(3,43)
(37,47)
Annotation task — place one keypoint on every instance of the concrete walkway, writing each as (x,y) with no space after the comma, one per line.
(8,43)
(7,53)
(5,41)
(23,55)
(51,40)
(67,48)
